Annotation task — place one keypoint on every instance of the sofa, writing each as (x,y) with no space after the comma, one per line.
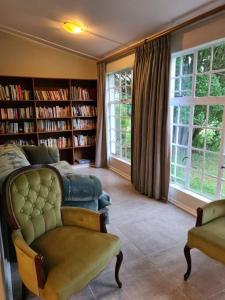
(79,190)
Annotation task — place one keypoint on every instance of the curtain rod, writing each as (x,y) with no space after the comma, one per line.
(131,49)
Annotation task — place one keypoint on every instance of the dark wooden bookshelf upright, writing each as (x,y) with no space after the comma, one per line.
(56,112)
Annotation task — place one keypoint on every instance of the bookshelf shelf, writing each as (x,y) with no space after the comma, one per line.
(40,97)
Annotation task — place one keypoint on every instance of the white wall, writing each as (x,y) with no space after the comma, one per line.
(20,56)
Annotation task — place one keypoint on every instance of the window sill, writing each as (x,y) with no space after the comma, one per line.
(190,193)
(120,159)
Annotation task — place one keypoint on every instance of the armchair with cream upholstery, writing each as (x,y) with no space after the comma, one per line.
(59,249)
(209,233)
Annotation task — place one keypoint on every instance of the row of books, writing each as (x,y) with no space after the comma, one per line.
(16,113)
(60,94)
(53,112)
(20,142)
(84,140)
(84,124)
(84,110)
(14,92)
(79,93)
(45,125)
(16,127)
(60,142)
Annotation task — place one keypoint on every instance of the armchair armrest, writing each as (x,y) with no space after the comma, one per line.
(75,216)
(210,212)
(30,264)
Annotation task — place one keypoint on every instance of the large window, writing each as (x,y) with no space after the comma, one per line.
(119,94)
(198,120)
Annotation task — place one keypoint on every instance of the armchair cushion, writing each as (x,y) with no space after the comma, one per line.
(73,256)
(209,238)
(74,216)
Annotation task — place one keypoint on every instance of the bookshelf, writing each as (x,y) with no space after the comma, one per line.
(50,111)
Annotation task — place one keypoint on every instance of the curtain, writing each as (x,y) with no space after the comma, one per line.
(150,124)
(101,159)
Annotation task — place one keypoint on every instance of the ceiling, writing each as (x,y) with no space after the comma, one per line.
(115,23)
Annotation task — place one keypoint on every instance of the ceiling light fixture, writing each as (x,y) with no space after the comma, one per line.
(73,27)
(77,27)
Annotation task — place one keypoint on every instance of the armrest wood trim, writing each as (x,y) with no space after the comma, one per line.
(199,217)
(41,275)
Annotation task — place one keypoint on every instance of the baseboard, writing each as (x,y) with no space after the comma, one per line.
(186,208)
(122,174)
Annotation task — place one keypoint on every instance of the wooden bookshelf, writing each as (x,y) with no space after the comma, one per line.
(58,112)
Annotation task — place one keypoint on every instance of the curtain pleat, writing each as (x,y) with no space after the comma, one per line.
(150,119)
(101,158)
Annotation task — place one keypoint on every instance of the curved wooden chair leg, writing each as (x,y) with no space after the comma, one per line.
(188,259)
(117,269)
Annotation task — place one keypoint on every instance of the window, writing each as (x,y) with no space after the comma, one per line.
(198,120)
(119,93)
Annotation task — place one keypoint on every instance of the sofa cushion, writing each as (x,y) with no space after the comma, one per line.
(73,257)
(11,158)
(41,154)
(209,238)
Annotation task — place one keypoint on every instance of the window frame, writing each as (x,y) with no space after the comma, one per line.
(110,93)
(191,101)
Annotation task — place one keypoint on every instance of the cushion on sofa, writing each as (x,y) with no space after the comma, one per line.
(41,154)
(11,158)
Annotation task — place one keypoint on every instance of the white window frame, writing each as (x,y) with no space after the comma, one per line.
(192,101)
(110,92)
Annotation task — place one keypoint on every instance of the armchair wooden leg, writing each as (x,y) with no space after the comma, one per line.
(188,259)
(117,269)
(24,292)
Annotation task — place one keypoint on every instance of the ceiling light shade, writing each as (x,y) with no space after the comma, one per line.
(73,27)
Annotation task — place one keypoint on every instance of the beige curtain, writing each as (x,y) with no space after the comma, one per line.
(101,159)
(150,128)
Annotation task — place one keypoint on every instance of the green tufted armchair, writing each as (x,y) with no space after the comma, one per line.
(209,233)
(59,249)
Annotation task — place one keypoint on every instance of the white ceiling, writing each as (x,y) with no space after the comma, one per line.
(121,20)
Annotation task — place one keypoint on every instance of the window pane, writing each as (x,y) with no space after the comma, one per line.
(195,180)
(123,110)
(211,164)
(182,156)
(197,159)
(200,115)
(219,57)
(178,63)
(187,66)
(204,57)
(184,114)
(186,93)
(172,170)
(180,172)
(173,153)
(174,137)
(177,84)
(209,187)
(183,135)
(202,85)
(213,139)
(128,153)
(186,83)
(198,138)
(116,79)
(118,149)
(217,87)
(215,115)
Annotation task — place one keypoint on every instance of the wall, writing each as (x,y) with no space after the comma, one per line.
(21,56)
(205,31)
(121,64)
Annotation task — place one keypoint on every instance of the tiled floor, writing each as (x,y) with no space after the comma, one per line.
(153,235)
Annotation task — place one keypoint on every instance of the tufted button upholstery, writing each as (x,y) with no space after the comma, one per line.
(36,200)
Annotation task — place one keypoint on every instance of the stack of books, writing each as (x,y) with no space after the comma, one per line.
(16,113)
(84,140)
(60,142)
(14,92)
(60,94)
(53,112)
(15,127)
(45,125)
(84,124)
(84,110)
